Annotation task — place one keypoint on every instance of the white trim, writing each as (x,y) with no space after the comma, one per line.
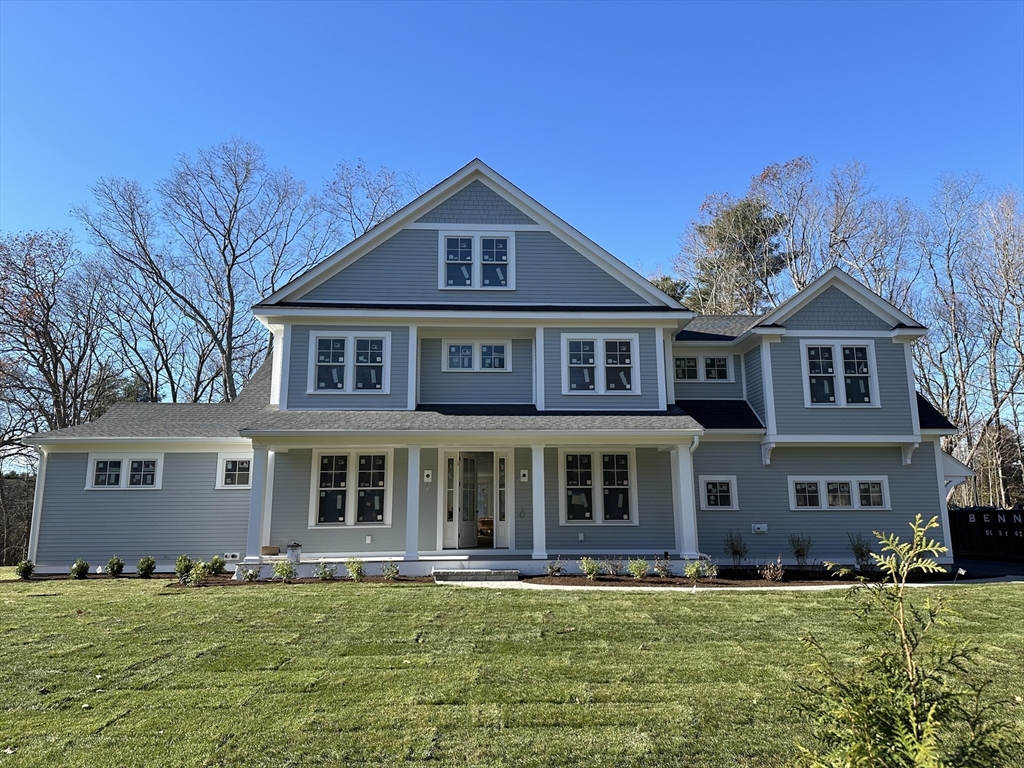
(685,513)
(477,355)
(476,266)
(477,228)
(286,366)
(412,504)
(37,507)
(662,393)
(853,480)
(538,367)
(915,417)
(276,357)
(701,368)
(743,375)
(351,337)
(669,385)
(599,340)
(458,318)
(412,384)
(943,506)
(351,486)
(838,374)
(268,499)
(539,516)
(733,492)
(125,458)
(596,453)
(223,457)
(257,498)
(141,444)
(768,383)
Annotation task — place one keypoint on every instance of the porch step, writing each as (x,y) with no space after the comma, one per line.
(475,574)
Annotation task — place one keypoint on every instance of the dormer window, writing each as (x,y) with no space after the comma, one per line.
(839,373)
(477,261)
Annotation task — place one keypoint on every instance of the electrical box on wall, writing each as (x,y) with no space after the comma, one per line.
(229,556)
(524,475)
(759,528)
(428,476)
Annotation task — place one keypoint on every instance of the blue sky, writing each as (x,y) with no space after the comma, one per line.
(621,118)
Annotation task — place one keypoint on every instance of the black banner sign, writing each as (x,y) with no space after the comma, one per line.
(988,533)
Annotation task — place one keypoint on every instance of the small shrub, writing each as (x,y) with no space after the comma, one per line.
(199,574)
(251,574)
(590,567)
(182,566)
(695,570)
(735,547)
(389,570)
(861,549)
(325,571)
(285,570)
(218,566)
(555,567)
(612,566)
(25,569)
(115,566)
(801,547)
(145,567)
(663,567)
(79,569)
(773,570)
(638,568)
(356,568)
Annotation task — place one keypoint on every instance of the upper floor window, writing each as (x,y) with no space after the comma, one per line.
(838,493)
(349,362)
(107,471)
(477,261)
(600,364)
(476,356)
(704,368)
(597,487)
(839,373)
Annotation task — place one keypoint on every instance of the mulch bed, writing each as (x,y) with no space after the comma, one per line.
(227,581)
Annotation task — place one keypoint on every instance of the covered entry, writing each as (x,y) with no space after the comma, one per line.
(476,505)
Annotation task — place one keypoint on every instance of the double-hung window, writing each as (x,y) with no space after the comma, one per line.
(840,373)
(349,362)
(132,471)
(477,261)
(597,487)
(704,368)
(718,492)
(476,355)
(352,488)
(806,493)
(600,364)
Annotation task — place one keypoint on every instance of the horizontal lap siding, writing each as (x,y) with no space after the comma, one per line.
(290,513)
(755,381)
(793,417)
(476,203)
(513,386)
(763,493)
(186,515)
(648,373)
(428,499)
(523,499)
(298,372)
(709,390)
(656,529)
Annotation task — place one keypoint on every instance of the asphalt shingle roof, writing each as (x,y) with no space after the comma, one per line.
(722,414)
(717,327)
(929,416)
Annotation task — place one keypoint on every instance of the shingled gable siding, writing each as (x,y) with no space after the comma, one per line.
(707,390)
(298,372)
(648,374)
(834,310)
(656,531)
(476,203)
(763,493)
(404,269)
(755,381)
(185,515)
(289,519)
(514,386)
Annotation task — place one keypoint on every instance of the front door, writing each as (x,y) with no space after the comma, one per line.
(476,508)
(468,503)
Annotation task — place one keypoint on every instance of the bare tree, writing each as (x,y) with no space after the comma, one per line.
(357,199)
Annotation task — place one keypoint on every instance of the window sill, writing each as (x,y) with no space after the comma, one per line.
(123,488)
(587,393)
(348,392)
(343,527)
(705,381)
(476,288)
(595,524)
(233,488)
(840,509)
(841,405)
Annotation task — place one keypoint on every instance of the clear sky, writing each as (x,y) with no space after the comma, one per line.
(620,117)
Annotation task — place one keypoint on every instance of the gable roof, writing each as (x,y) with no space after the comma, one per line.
(474,171)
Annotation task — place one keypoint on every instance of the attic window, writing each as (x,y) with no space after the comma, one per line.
(477,261)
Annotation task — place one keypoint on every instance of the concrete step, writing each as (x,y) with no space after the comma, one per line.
(475,574)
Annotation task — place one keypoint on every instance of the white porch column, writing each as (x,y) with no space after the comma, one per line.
(37,506)
(256,499)
(412,505)
(682,501)
(539,531)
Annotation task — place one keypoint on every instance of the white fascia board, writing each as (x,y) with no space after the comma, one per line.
(731,435)
(164,444)
(940,432)
(334,315)
(840,440)
(401,438)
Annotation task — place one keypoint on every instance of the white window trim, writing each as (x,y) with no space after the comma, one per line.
(125,459)
(477,263)
(477,360)
(733,493)
(222,458)
(840,384)
(598,494)
(350,337)
(352,484)
(730,368)
(822,481)
(599,339)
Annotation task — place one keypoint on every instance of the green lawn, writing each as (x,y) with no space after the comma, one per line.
(345,674)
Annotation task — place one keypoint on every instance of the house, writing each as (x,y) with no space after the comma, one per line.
(474,383)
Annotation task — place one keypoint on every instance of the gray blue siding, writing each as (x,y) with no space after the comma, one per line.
(833,310)
(647,400)
(513,386)
(708,390)
(476,203)
(298,373)
(187,515)
(428,500)
(755,381)
(763,493)
(404,269)
(523,529)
